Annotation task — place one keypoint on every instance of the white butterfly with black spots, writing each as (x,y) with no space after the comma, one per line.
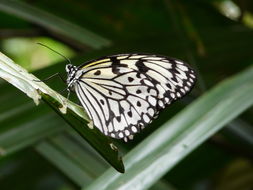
(123,93)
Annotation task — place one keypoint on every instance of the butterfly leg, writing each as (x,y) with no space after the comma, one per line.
(67,98)
(68,93)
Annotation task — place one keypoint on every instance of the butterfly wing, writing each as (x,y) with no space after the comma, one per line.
(123,93)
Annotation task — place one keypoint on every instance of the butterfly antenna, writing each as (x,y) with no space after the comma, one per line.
(67,59)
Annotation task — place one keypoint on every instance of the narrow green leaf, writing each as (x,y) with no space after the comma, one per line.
(63,162)
(75,161)
(79,152)
(71,112)
(242,130)
(53,23)
(28,133)
(161,151)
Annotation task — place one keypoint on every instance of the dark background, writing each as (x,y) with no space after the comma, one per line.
(214,37)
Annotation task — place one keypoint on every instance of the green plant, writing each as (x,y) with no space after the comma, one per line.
(175,146)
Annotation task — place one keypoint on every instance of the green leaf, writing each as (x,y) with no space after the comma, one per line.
(71,112)
(53,23)
(161,151)
(28,132)
(72,156)
(63,162)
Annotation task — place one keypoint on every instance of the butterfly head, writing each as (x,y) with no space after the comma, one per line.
(70,68)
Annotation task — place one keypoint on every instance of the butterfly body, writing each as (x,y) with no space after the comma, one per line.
(73,75)
(123,93)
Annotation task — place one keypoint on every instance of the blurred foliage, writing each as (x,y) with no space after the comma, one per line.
(32,56)
(42,152)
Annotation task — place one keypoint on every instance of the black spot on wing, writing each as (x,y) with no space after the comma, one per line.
(111,116)
(138,75)
(118,118)
(168,85)
(141,67)
(130,114)
(115,69)
(98,72)
(130,79)
(116,64)
(102,102)
(138,91)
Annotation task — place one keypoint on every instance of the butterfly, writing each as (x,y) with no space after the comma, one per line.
(123,93)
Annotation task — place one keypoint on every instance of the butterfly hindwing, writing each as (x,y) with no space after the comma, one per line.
(124,93)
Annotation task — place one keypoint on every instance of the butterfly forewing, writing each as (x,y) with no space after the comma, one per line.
(124,93)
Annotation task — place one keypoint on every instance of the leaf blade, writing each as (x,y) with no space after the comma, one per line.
(54,23)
